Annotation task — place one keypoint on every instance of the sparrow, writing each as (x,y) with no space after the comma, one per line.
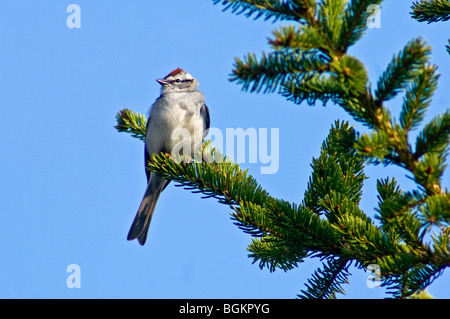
(179,106)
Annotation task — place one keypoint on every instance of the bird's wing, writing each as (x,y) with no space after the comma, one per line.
(204,112)
(146,155)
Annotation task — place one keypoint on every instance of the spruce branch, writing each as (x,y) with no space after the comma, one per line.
(303,38)
(431,10)
(397,246)
(330,19)
(435,136)
(222,179)
(285,233)
(314,87)
(418,97)
(419,278)
(377,147)
(271,9)
(273,69)
(436,210)
(397,212)
(441,246)
(327,282)
(273,253)
(402,70)
(414,281)
(354,23)
(131,122)
(337,170)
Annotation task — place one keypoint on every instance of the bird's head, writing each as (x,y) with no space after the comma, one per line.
(178,81)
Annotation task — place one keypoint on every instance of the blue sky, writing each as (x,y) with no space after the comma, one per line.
(71,185)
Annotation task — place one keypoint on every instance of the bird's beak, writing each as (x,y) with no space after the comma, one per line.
(161,81)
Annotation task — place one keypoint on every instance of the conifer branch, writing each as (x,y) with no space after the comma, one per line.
(131,122)
(287,233)
(302,38)
(278,10)
(402,70)
(273,253)
(327,282)
(415,280)
(274,69)
(431,10)
(354,23)
(330,18)
(435,136)
(418,97)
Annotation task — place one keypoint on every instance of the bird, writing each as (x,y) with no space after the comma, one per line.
(179,106)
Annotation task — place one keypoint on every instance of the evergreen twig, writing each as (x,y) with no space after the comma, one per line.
(431,10)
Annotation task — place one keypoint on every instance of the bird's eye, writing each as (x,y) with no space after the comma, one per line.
(178,81)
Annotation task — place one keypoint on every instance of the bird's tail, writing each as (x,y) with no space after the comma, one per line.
(141,223)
